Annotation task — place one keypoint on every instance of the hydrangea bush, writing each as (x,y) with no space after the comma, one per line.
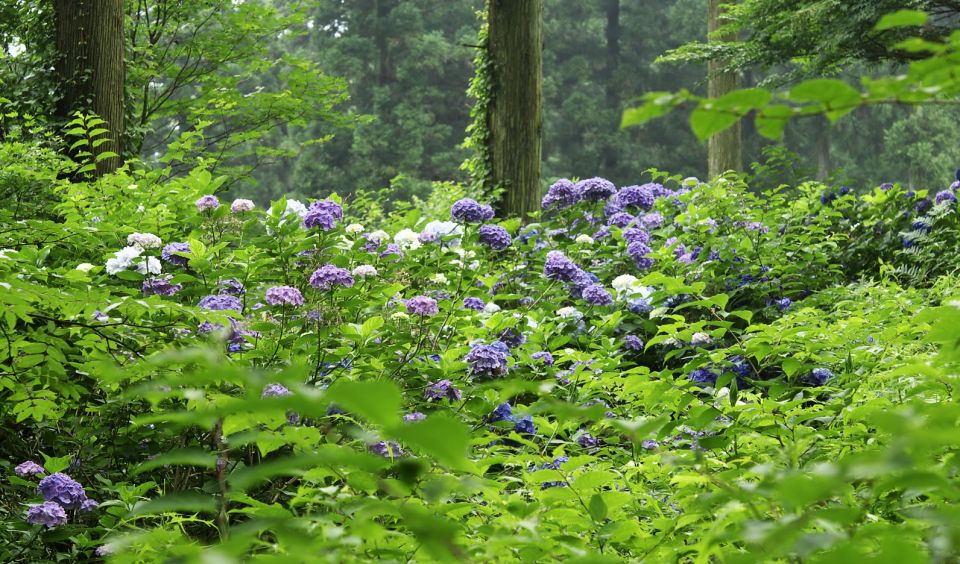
(668,371)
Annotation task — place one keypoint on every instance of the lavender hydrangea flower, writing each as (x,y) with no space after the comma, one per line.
(328,276)
(633,343)
(231,286)
(621,219)
(636,235)
(284,295)
(221,302)
(511,338)
(946,196)
(88,505)
(636,196)
(652,220)
(525,426)
(386,449)
(275,391)
(784,303)
(495,237)
(597,295)
(545,356)
(414,416)
(468,210)
(207,327)
(49,513)
(28,468)
(702,376)
(208,202)
(587,440)
(161,286)
(392,250)
(323,214)
(440,390)
(241,205)
(559,267)
(422,305)
(488,360)
(595,189)
(561,194)
(168,255)
(62,489)
(476,304)
(638,252)
(818,377)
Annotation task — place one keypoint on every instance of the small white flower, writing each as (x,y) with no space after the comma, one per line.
(241,205)
(364,270)
(378,236)
(624,282)
(439,278)
(491,308)
(149,266)
(141,209)
(354,228)
(84,267)
(700,338)
(115,265)
(584,239)
(144,240)
(400,315)
(407,239)
(569,313)
(123,259)
(448,231)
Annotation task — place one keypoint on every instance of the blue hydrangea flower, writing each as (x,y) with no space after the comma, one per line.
(495,237)
(160,286)
(488,360)
(562,194)
(525,426)
(440,390)
(559,267)
(49,514)
(703,376)
(633,343)
(322,214)
(168,255)
(595,189)
(468,210)
(62,489)
(587,440)
(221,302)
(621,219)
(636,196)
(545,356)
(328,276)
(636,235)
(946,196)
(284,295)
(476,304)
(386,449)
(597,295)
(503,412)
(818,377)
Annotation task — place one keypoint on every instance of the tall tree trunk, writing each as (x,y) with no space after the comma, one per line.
(724,150)
(823,149)
(515,43)
(90,65)
(612,84)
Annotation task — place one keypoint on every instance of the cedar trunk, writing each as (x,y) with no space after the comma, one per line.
(90,65)
(724,150)
(515,43)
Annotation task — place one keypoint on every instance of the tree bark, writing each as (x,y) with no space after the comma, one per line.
(90,43)
(823,149)
(515,43)
(724,150)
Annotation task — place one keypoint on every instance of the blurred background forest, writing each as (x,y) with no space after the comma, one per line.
(308,98)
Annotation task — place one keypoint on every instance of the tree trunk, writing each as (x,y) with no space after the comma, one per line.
(90,43)
(724,150)
(823,149)
(612,84)
(515,43)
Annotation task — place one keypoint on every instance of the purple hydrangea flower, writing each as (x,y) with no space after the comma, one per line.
(488,360)
(587,440)
(818,377)
(392,250)
(633,343)
(284,295)
(208,202)
(386,449)
(503,412)
(49,513)
(495,237)
(545,356)
(636,235)
(638,252)
(28,468)
(559,267)
(323,214)
(597,295)
(784,303)
(207,327)
(637,196)
(414,416)
(161,286)
(595,189)
(62,489)
(923,205)
(221,302)
(476,304)
(88,505)
(702,376)
(621,219)
(468,210)
(231,286)
(275,390)
(440,390)
(561,194)
(328,276)
(511,338)
(946,196)
(422,305)
(525,426)
(167,253)
(652,220)
(602,232)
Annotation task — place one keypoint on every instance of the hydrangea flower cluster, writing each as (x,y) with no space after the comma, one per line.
(442,389)
(495,237)
(284,295)
(168,253)
(160,286)
(328,276)
(241,205)
(422,305)
(322,214)
(144,241)
(208,202)
(488,361)
(61,489)
(595,189)
(562,194)
(221,302)
(468,210)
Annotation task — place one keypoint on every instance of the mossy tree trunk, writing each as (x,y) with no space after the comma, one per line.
(90,42)
(515,43)
(724,150)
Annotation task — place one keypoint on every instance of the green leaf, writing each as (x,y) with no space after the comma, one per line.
(180,457)
(598,509)
(183,502)
(825,90)
(902,18)
(772,120)
(377,402)
(441,437)
(705,122)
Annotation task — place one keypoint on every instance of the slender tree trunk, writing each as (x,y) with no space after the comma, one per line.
(515,41)
(724,150)
(612,84)
(90,43)
(823,149)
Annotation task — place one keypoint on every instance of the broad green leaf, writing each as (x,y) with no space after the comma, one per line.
(376,401)
(902,18)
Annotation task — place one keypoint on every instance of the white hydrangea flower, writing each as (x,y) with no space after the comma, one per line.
(439,278)
(123,259)
(144,240)
(84,267)
(400,315)
(700,338)
(569,313)
(364,270)
(241,205)
(584,239)
(407,239)
(448,231)
(354,228)
(491,308)
(295,207)
(149,266)
(379,236)
(624,282)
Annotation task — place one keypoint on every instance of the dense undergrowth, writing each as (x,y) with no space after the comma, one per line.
(676,371)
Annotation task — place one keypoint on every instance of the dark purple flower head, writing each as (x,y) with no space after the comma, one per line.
(422,305)
(886,186)
(231,286)
(587,440)
(392,249)
(818,377)
(784,303)
(221,302)
(414,416)
(923,205)
(559,267)
(322,214)
(637,196)
(621,219)
(561,194)
(284,295)
(207,327)
(28,468)
(468,210)
(652,220)
(946,196)
(640,306)
(440,390)
(488,360)
(160,285)
(503,412)
(495,237)
(636,235)
(208,202)
(525,426)
(596,294)
(476,304)
(545,356)
(62,489)
(511,337)
(328,276)
(275,391)
(49,513)
(595,189)
(638,250)
(633,343)
(386,449)
(167,253)
(703,376)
